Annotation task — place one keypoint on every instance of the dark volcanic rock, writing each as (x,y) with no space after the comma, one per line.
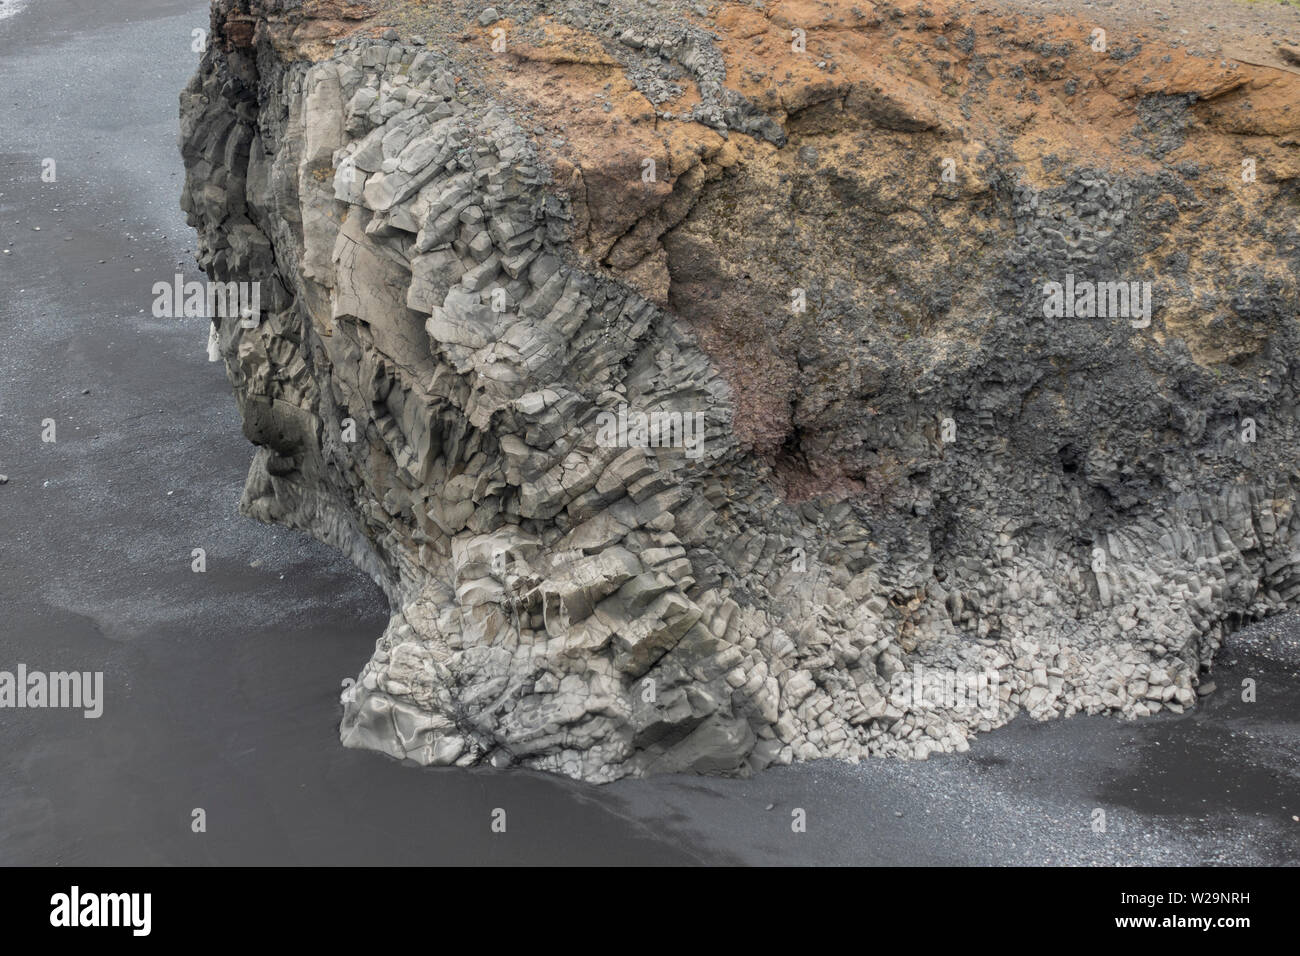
(892,489)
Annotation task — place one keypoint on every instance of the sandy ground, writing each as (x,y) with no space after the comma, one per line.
(222,687)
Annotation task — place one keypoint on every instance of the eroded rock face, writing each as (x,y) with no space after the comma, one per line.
(881,468)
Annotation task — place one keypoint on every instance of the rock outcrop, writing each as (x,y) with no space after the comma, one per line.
(715,385)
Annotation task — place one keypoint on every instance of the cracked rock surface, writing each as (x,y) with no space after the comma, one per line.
(876,471)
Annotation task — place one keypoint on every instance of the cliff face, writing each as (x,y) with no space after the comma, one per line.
(847,257)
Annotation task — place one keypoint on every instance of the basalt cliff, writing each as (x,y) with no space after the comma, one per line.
(713,385)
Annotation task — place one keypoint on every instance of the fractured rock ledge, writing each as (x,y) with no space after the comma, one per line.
(473,261)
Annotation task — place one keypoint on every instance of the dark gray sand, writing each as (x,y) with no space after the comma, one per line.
(222,688)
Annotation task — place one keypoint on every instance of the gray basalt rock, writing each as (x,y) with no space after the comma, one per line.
(590,572)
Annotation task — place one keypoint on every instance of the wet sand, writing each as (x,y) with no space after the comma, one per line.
(222,688)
